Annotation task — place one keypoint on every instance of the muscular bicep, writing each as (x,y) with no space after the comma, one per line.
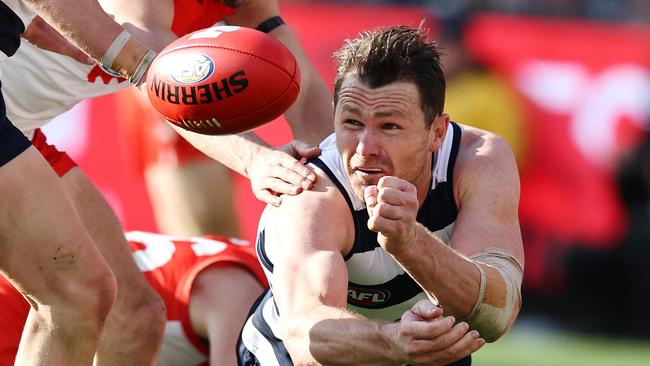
(309,269)
(307,281)
(488,199)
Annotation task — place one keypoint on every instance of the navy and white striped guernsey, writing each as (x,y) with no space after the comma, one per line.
(378,286)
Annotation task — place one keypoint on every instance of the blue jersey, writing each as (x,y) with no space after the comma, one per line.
(378,287)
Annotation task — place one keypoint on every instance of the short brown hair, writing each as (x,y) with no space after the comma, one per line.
(395,53)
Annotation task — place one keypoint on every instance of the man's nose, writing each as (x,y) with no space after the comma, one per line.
(368,144)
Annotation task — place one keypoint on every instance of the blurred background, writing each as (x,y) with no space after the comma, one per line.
(566,82)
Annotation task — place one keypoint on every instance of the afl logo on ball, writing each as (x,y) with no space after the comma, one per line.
(191,68)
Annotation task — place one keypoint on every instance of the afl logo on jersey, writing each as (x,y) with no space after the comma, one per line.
(191,68)
(367,297)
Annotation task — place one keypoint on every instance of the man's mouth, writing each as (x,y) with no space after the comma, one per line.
(368,172)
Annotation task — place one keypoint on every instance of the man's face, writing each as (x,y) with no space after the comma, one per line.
(382,132)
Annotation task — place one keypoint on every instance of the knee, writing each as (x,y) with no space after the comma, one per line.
(81,302)
(153,309)
(145,313)
(151,317)
(94,296)
(105,290)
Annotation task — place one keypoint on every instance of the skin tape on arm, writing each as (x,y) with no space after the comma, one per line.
(492,312)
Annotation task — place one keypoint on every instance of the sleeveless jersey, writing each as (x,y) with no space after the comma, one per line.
(378,287)
(45,84)
(171,266)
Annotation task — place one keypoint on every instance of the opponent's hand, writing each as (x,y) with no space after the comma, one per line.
(42,35)
(427,338)
(392,209)
(277,172)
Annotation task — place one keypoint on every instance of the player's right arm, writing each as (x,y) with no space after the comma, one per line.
(311,115)
(272,171)
(90,28)
(310,289)
(148,20)
(75,19)
(78,28)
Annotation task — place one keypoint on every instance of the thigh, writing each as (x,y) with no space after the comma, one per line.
(44,246)
(105,229)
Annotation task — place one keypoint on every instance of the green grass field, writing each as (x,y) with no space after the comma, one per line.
(528,346)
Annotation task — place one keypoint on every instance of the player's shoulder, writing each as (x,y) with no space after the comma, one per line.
(484,156)
(313,214)
(324,198)
(479,147)
(325,194)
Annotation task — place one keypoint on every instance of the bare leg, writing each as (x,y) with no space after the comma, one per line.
(135,325)
(50,258)
(193,199)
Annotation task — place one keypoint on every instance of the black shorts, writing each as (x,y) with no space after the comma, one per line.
(12,141)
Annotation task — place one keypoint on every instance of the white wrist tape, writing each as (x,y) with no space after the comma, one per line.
(492,313)
(114,49)
(141,70)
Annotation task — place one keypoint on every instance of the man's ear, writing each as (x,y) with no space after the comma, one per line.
(438,131)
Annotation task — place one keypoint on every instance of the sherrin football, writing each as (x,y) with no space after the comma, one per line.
(223,80)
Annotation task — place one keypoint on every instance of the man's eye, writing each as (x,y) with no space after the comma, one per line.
(390,126)
(352,122)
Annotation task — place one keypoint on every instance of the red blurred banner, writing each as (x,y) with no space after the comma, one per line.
(586,89)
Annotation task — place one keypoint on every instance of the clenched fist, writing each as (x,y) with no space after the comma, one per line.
(393,207)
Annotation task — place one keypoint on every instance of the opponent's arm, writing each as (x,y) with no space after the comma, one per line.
(272,172)
(148,20)
(311,115)
(43,36)
(478,278)
(310,288)
(75,19)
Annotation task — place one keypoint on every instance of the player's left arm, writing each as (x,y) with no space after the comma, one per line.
(478,277)
(312,113)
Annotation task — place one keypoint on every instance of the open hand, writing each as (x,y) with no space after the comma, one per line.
(427,338)
(279,171)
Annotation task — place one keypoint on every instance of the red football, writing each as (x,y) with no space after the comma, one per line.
(223,80)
